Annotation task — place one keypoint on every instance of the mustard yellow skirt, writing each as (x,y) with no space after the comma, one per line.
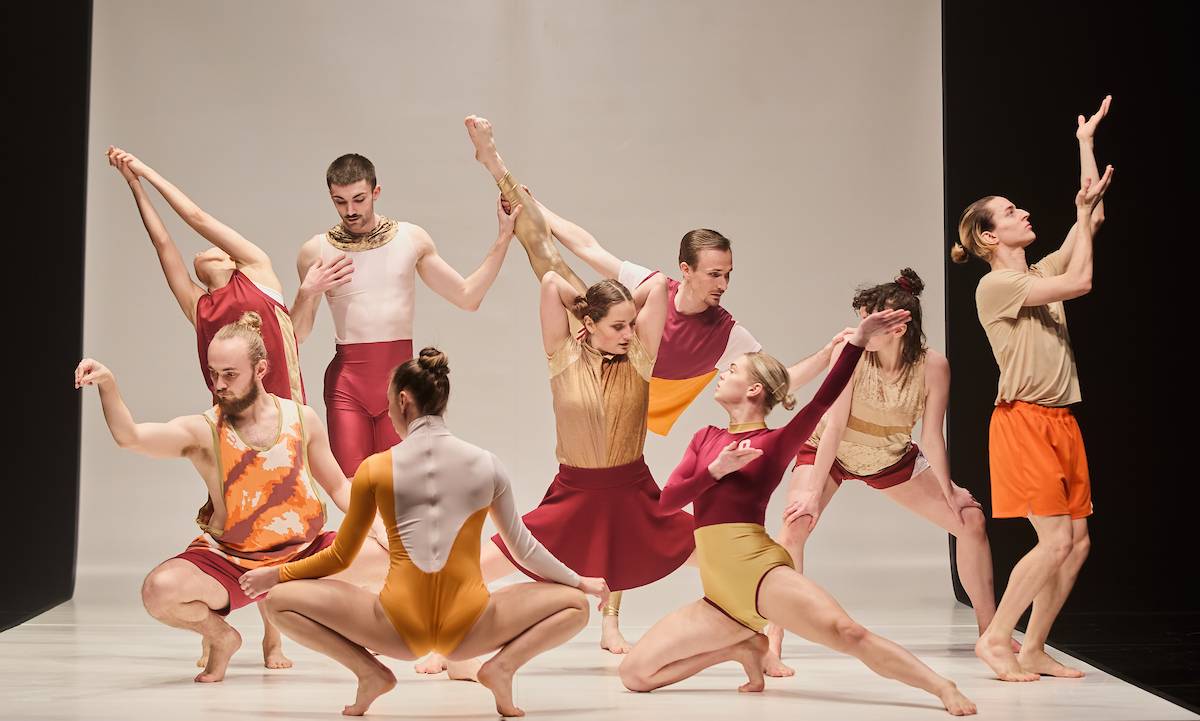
(734,558)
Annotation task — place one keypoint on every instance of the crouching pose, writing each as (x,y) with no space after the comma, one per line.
(433,491)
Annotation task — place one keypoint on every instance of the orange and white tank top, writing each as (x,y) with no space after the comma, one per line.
(377,304)
(265,510)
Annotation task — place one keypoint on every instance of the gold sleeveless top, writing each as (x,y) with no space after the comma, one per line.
(600,403)
(882,416)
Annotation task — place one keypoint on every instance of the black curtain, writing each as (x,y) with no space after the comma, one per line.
(49,48)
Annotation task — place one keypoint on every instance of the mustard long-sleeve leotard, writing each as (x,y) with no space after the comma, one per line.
(432,491)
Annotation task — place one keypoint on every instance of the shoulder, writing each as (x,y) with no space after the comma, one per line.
(416,234)
(311,248)
(312,421)
(937,367)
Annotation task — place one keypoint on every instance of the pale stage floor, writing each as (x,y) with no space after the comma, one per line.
(101,657)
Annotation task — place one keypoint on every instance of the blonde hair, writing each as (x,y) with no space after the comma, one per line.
(249,329)
(774,378)
(974,222)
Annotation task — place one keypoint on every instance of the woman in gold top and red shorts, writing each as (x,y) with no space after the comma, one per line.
(868,436)
(1038,463)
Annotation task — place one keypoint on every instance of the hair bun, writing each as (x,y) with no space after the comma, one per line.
(251,320)
(434,361)
(910,282)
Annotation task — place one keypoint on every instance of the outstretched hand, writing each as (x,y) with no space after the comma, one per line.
(881,321)
(1090,194)
(91,372)
(1086,129)
(257,582)
(126,163)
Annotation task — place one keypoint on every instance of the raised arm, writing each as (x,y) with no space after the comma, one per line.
(526,549)
(651,299)
(557,296)
(186,291)
(801,425)
(173,439)
(466,293)
(249,258)
(1076,280)
(1085,133)
(803,372)
(582,243)
(328,474)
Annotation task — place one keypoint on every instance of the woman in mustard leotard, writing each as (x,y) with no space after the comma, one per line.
(728,474)
(433,492)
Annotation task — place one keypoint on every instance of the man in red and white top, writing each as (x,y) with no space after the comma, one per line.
(366,267)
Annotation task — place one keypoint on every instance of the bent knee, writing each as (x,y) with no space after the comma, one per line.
(974,524)
(849,632)
(160,591)
(633,677)
(1082,546)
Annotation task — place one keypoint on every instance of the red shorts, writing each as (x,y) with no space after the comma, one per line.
(227,573)
(910,465)
(1038,463)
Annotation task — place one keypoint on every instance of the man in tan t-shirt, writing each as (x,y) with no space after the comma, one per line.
(1038,463)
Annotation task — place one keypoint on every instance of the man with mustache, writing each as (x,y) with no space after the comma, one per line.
(373,310)
(258,455)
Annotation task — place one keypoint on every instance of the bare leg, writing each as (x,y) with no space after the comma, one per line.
(532,228)
(272,643)
(522,621)
(802,607)
(686,642)
(611,638)
(793,537)
(341,621)
(1046,605)
(179,594)
(1027,580)
(922,495)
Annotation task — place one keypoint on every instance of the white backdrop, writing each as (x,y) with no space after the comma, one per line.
(809,133)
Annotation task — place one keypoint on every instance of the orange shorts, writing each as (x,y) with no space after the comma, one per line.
(1038,463)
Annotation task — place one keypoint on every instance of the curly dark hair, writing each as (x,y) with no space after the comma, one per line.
(902,293)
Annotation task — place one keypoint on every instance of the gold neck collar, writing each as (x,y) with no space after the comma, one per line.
(747,427)
(381,235)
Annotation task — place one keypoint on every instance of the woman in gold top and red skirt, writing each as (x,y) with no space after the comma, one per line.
(601,514)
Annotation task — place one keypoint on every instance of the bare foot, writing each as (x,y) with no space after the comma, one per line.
(480,132)
(221,648)
(749,653)
(433,663)
(1041,663)
(464,670)
(499,681)
(370,687)
(611,638)
(774,666)
(955,702)
(203,660)
(998,655)
(273,654)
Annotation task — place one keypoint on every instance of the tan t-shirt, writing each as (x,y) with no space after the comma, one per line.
(1031,343)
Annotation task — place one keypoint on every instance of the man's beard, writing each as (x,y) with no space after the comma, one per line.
(234,407)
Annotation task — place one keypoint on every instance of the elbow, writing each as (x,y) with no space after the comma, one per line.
(471,305)
(196,217)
